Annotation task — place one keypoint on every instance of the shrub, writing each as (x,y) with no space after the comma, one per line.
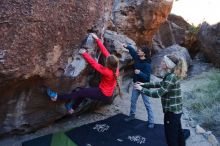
(193,29)
(203,99)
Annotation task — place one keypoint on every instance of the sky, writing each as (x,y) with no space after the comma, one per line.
(197,11)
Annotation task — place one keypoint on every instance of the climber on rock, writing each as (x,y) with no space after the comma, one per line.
(109,80)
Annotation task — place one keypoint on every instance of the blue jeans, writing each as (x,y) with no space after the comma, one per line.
(134,97)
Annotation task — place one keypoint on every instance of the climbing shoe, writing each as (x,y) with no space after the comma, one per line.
(52,94)
(69,108)
(131,117)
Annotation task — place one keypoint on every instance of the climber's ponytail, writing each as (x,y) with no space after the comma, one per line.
(113,64)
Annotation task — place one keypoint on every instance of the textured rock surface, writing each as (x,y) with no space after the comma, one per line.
(35,34)
(209,37)
(171,33)
(140,19)
(168,34)
(37,43)
(114,41)
(176,31)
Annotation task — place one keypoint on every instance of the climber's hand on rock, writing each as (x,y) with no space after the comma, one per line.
(94,36)
(124,45)
(82,50)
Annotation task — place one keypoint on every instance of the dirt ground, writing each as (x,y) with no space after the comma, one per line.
(119,106)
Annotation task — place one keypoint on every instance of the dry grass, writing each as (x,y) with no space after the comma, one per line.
(202,97)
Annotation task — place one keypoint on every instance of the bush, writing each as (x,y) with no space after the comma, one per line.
(193,29)
(204,99)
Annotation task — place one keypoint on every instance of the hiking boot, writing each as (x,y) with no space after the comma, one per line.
(150,125)
(52,94)
(131,117)
(69,108)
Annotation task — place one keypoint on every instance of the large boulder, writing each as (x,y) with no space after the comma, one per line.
(37,37)
(209,37)
(140,19)
(176,31)
(168,34)
(39,44)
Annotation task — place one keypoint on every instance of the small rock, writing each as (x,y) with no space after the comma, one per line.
(192,123)
(185,116)
(187,125)
(212,139)
(199,130)
(207,133)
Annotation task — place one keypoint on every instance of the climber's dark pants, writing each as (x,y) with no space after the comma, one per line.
(93,93)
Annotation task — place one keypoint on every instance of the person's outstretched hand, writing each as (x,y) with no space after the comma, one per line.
(137,71)
(94,36)
(124,45)
(140,83)
(82,50)
(138,87)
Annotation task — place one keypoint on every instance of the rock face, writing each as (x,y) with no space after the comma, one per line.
(171,32)
(209,37)
(37,43)
(113,42)
(35,34)
(140,19)
(176,31)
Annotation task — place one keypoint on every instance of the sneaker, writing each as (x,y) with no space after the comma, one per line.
(69,108)
(131,117)
(150,125)
(52,94)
